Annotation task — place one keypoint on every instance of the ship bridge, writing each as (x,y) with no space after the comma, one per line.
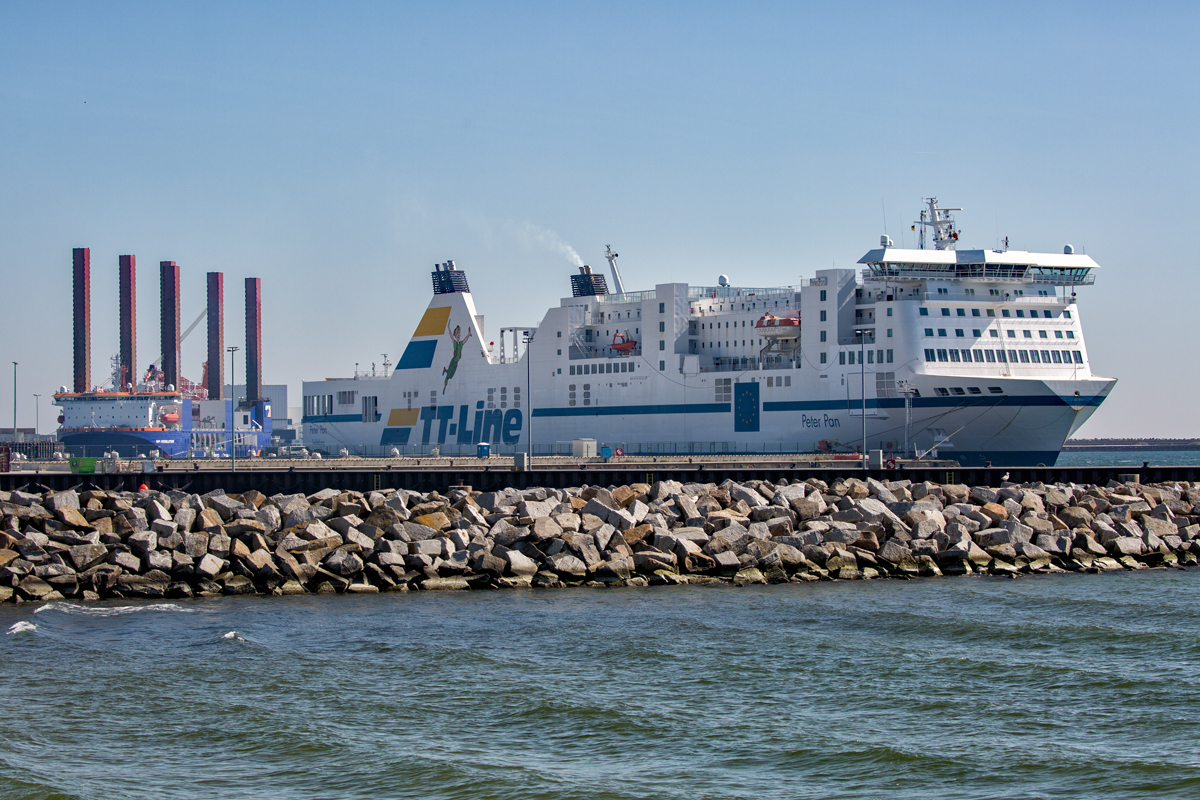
(1007,266)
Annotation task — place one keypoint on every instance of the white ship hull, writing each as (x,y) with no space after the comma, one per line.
(1007,387)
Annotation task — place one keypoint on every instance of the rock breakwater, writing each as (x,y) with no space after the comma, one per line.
(95,544)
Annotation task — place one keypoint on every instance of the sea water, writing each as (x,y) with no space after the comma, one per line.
(1054,686)
(1132,458)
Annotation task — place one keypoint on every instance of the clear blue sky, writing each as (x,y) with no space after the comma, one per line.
(338,150)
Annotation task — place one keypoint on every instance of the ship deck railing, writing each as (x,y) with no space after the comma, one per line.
(1071,276)
(577,353)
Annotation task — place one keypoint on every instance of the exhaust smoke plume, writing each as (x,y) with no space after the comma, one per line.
(532,236)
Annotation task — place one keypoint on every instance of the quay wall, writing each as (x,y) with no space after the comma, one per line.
(307,479)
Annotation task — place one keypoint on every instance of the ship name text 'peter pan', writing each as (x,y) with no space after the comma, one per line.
(972,355)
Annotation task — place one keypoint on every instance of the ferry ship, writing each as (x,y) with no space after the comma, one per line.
(971,355)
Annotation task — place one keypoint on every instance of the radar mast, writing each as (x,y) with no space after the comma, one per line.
(945,232)
(612,263)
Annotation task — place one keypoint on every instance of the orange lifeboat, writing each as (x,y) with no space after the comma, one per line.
(772,326)
(171,417)
(622,343)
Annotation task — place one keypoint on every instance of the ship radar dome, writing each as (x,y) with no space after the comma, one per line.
(62,390)
(885,241)
(723,280)
(1068,250)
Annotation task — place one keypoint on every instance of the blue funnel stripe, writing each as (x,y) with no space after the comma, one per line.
(418,355)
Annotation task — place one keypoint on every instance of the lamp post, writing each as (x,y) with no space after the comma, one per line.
(15,439)
(232,391)
(529,397)
(37,417)
(862,369)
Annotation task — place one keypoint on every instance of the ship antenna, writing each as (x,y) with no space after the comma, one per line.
(612,264)
(945,232)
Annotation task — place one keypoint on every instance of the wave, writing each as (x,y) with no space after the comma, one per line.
(109,611)
(21,627)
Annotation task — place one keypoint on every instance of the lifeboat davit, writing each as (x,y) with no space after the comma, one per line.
(171,417)
(773,327)
(622,343)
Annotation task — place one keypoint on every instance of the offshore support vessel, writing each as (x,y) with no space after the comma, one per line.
(973,355)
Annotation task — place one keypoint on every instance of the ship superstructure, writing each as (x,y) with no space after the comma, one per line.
(976,355)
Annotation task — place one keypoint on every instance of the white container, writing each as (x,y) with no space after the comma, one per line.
(583,448)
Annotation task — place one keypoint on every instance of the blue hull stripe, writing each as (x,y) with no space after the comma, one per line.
(621,411)
(822,405)
(333,418)
(937,402)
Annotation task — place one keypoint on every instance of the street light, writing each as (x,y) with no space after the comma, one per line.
(232,391)
(862,368)
(529,397)
(37,421)
(15,439)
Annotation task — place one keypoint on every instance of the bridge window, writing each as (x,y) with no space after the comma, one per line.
(990,355)
(945,312)
(1078,356)
(924,311)
(929,331)
(995,390)
(942,392)
(941,355)
(962,312)
(930,356)
(974,390)
(957,390)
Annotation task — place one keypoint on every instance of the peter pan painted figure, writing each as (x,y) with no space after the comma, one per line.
(458,346)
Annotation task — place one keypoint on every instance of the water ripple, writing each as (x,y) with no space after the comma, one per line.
(1050,687)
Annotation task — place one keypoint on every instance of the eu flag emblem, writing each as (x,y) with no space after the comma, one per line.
(745,407)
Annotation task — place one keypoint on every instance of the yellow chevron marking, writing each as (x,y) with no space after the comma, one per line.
(434,322)
(403,417)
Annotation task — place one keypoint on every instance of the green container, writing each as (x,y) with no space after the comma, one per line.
(82,466)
